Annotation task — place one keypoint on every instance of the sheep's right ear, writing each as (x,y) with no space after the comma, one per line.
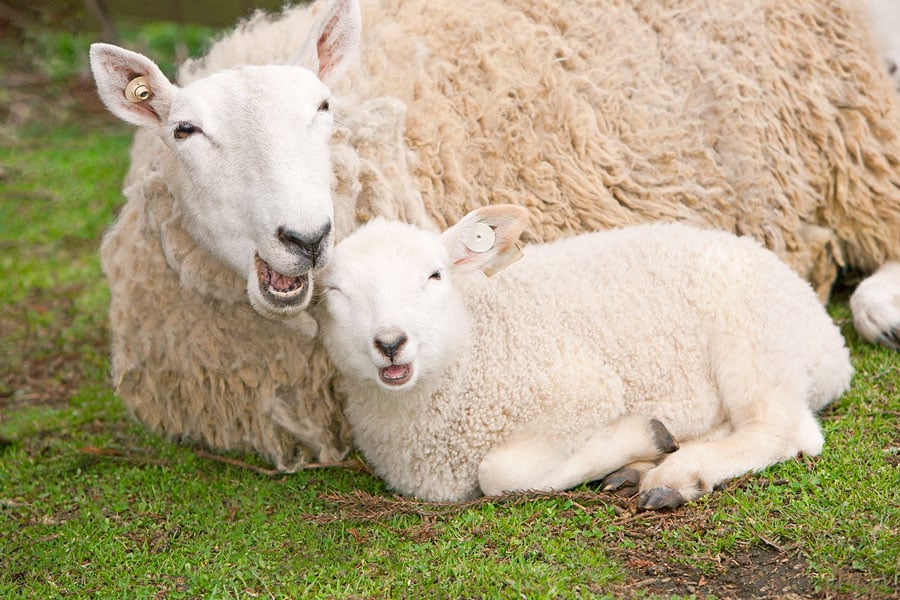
(117,73)
(486,238)
(332,43)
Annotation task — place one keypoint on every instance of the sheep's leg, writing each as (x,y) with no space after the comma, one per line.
(876,306)
(537,462)
(699,466)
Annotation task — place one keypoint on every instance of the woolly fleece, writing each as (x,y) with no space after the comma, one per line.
(766,118)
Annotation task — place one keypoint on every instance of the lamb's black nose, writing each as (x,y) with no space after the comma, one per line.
(309,245)
(390,343)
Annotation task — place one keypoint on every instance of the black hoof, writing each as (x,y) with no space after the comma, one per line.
(662,437)
(623,482)
(660,498)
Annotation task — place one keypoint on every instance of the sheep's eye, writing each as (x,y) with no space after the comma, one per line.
(436,276)
(184,129)
(324,106)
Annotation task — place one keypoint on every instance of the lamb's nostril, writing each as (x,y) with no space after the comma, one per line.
(391,344)
(309,245)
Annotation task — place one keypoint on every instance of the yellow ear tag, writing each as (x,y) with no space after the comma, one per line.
(138,90)
(480,238)
(503,260)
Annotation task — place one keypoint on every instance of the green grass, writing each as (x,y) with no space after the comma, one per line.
(92,505)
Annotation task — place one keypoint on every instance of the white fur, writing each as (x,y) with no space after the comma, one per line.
(546,375)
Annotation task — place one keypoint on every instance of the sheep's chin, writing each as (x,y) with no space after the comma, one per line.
(397,377)
(276,296)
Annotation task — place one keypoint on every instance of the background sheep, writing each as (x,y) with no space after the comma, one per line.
(765,118)
(457,383)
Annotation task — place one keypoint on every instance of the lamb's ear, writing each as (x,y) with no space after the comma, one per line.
(332,43)
(144,101)
(486,238)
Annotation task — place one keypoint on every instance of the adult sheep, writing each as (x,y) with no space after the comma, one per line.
(590,353)
(765,118)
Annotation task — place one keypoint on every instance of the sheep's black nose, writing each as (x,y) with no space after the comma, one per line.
(390,344)
(309,245)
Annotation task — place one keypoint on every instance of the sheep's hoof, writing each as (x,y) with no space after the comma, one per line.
(623,482)
(660,498)
(662,437)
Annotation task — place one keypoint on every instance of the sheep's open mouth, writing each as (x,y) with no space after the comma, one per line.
(396,374)
(283,289)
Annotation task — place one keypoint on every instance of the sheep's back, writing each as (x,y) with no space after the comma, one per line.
(766,118)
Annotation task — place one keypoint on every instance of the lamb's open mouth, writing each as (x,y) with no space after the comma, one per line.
(396,374)
(281,289)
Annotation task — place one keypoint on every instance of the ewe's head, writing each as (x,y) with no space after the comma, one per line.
(250,150)
(392,314)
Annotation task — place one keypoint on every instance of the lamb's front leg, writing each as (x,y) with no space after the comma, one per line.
(535,461)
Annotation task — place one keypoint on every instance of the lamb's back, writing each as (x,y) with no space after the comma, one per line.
(649,303)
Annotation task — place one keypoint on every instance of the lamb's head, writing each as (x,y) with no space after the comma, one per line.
(392,315)
(250,162)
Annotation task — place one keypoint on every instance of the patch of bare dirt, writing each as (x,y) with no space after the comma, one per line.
(758,571)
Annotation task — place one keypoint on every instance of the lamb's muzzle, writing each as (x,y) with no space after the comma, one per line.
(396,375)
(391,343)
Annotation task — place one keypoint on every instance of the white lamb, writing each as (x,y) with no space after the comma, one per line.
(553,372)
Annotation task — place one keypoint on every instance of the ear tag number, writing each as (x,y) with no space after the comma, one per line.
(138,90)
(480,238)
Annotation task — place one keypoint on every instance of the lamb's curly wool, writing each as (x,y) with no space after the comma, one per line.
(766,118)
(529,371)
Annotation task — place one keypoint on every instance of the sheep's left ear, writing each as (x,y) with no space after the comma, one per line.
(486,238)
(332,43)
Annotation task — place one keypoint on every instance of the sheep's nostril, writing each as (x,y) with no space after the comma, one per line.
(390,345)
(309,245)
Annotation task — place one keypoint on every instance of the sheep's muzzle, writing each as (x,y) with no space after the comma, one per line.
(279,288)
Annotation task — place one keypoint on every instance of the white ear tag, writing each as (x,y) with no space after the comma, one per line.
(480,238)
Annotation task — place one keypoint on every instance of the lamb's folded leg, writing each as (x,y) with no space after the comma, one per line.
(537,462)
(699,466)
(876,306)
